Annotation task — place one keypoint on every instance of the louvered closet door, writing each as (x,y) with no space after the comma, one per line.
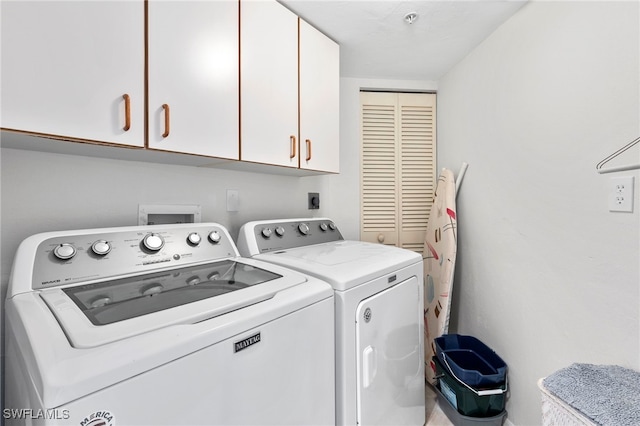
(417,166)
(398,175)
(379,168)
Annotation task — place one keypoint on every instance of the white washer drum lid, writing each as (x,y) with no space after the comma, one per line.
(100,313)
(344,264)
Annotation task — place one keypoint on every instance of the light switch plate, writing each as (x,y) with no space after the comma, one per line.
(233,200)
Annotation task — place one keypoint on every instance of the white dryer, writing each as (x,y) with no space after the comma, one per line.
(379,314)
(163,325)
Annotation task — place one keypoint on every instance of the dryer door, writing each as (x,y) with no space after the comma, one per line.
(390,362)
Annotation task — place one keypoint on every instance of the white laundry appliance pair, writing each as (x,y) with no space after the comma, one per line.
(164,325)
(379,314)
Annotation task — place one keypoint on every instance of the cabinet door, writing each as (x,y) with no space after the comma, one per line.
(193,77)
(319,101)
(66,66)
(269,88)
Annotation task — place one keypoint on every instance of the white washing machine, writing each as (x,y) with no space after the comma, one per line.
(379,314)
(163,325)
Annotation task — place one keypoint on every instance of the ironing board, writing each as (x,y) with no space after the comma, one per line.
(439,263)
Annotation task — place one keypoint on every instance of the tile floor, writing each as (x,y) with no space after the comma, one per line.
(435,416)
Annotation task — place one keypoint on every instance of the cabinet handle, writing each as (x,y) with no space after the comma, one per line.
(308,142)
(167,120)
(292,154)
(127,112)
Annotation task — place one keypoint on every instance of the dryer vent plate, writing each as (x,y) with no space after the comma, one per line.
(168,214)
(314,200)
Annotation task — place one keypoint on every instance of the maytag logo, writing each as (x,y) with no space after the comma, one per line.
(245,343)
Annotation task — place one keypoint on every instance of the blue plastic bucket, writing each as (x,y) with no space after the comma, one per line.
(470,360)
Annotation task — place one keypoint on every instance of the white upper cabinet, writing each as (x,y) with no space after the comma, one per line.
(319,100)
(289,89)
(193,77)
(269,83)
(74,70)
(240,80)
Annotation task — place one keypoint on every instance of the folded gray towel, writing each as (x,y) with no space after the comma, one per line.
(608,394)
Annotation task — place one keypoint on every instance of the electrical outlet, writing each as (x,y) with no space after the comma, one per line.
(621,194)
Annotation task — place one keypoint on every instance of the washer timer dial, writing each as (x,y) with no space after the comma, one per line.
(153,242)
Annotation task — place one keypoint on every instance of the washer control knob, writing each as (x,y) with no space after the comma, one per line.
(214,237)
(64,251)
(153,242)
(332,226)
(101,247)
(194,239)
(279,231)
(323,227)
(266,232)
(303,228)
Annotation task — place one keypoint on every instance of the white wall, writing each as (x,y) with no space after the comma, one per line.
(546,275)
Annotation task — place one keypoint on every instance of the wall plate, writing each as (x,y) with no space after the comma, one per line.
(314,200)
(233,200)
(621,194)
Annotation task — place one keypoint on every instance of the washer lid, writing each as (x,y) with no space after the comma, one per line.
(344,264)
(99,313)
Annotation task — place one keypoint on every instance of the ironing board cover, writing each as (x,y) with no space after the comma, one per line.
(439,262)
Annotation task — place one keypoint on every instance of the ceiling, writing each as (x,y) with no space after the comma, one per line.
(376,42)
